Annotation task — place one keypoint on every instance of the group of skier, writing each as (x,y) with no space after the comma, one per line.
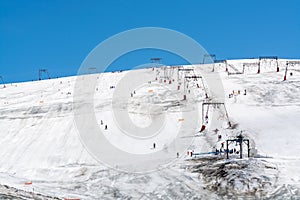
(235,93)
(105,126)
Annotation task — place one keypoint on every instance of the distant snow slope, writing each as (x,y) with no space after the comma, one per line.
(40,143)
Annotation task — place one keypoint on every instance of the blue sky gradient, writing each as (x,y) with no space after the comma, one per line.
(58,34)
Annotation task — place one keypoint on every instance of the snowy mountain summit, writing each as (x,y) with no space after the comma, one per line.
(225,130)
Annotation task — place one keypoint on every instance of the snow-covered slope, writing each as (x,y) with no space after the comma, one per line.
(40,141)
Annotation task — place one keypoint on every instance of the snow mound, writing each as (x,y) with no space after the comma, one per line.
(241,178)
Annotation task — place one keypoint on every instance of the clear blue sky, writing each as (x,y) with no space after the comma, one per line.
(58,34)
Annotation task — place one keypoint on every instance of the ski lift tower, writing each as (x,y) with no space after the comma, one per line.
(207,105)
(268,58)
(2,81)
(290,64)
(240,139)
(45,71)
(286,68)
(185,70)
(156,61)
(224,62)
(195,78)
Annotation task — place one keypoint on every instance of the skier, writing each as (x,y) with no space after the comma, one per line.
(219,137)
(131,95)
(101,122)
(206,119)
(229,124)
(105,127)
(154,145)
(177,155)
(245,92)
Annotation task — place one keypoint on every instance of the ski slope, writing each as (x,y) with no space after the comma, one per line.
(40,142)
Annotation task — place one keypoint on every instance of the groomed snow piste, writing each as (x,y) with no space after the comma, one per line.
(42,153)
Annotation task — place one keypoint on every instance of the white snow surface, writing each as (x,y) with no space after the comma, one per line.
(40,142)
